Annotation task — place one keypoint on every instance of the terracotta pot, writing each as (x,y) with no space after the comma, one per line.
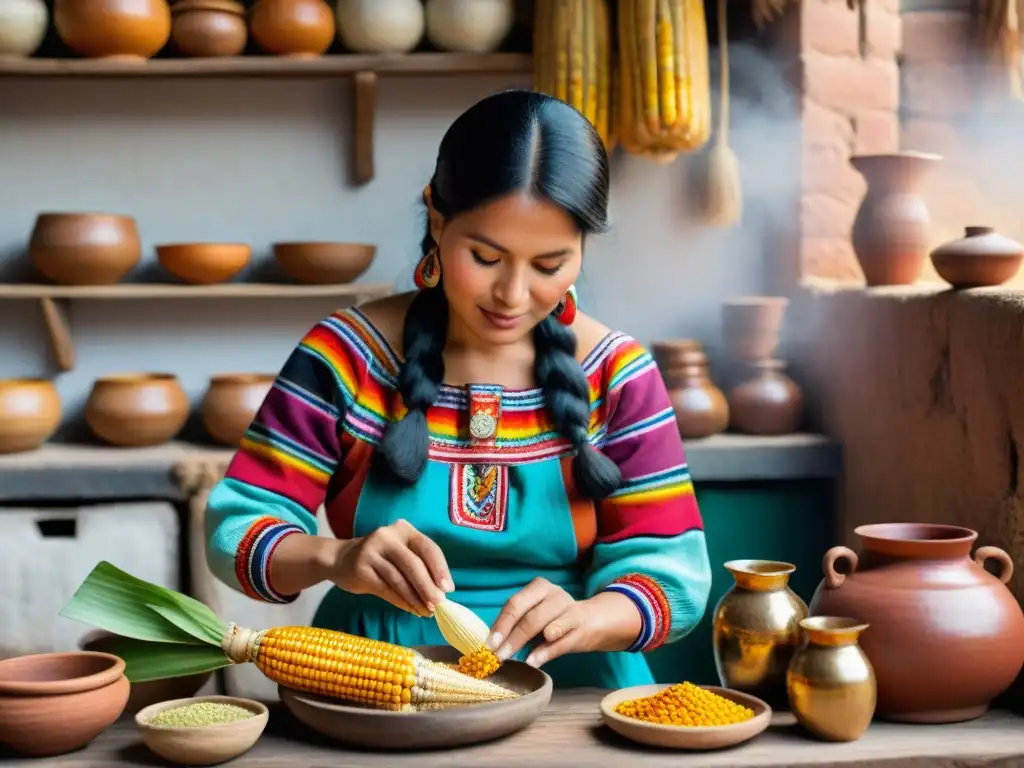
(469,26)
(380,26)
(23,25)
(751,326)
(946,636)
(890,233)
(84,248)
(153,691)
(980,258)
(204,263)
(208,28)
(121,29)
(324,263)
(30,412)
(769,404)
(54,703)
(137,409)
(231,402)
(302,28)
(701,408)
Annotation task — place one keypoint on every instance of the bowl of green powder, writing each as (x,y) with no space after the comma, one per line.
(204,730)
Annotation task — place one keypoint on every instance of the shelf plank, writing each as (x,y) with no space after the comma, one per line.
(176,291)
(340,65)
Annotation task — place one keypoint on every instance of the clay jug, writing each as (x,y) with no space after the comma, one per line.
(231,403)
(701,408)
(982,257)
(890,232)
(946,636)
(768,404)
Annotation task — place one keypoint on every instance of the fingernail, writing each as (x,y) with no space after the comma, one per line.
(447,585)
(494,640)
(503,653)
(537,658)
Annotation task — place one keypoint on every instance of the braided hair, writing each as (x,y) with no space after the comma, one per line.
(512,141)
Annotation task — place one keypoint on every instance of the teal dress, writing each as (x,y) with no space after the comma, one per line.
(499,500)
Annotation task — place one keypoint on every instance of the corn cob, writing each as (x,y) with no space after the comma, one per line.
(572,57)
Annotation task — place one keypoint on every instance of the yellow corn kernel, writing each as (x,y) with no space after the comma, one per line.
(478,665)
(685,704)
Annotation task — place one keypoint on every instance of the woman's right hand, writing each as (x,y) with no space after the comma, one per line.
(396,563)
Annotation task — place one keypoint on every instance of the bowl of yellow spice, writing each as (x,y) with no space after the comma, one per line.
(204,730)
(685,716)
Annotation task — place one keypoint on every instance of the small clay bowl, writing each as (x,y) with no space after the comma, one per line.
(30,412)
(204,263)
(231,402)
(54,703)
(207,744)
(683,736)
(84,248)
(324,263)
(136,410)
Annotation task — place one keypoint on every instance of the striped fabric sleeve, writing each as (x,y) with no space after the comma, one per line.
(650,543)
(278,479)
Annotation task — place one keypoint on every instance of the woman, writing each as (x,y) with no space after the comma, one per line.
(480,437)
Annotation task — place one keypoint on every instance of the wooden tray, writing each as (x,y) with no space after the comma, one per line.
(441,729)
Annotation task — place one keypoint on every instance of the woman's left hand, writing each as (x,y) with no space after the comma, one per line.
(546,611)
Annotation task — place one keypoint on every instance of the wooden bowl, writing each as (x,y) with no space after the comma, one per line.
(30,412)
(204,263)
(202,745)
(231,402)
(442,729)
(54,703)
(135,410)
(324,263)
(680,736)
(84,248)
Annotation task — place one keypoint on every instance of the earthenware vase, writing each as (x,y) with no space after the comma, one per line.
(982,257)
(770,403)
(700,407)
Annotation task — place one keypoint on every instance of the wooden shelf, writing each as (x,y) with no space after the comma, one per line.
(53,300)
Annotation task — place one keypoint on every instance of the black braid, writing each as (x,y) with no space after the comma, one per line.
(567,396)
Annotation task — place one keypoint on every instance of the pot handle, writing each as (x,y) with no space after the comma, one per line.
(834,579)
(995,553)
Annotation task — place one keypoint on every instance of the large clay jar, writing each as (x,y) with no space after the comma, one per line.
(137,409)
(700,407)
(469,26)
(768,404)
(209,28)
(84,248)
(751,326)
(380,26)
(946,636)
(23,26)
(30,412)
(981,258)
(231,403)
(298,28)
(890,232)
(113,29)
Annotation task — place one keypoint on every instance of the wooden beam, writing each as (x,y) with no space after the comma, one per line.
(364,93)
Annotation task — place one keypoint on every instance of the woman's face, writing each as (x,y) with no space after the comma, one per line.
(507,265)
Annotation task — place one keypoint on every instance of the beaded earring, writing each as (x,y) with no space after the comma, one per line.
(565,312)
(428,271)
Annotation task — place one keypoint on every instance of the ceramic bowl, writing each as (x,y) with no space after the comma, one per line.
(685,737)
(324,263)
(231,403)
(204,263)
(201,28)
(84,248)
(202,745)
(136,410)
(54,703)
(442,729)
(30,412)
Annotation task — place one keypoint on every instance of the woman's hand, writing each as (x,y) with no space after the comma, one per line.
(396,563)
(544,610)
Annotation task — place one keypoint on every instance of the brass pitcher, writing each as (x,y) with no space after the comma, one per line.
(830,682)
(757,629)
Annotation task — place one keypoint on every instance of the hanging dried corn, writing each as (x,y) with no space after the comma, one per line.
(572,58)
(1001,22)
(664,88)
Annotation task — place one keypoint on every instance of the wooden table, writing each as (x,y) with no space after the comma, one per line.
(570,735)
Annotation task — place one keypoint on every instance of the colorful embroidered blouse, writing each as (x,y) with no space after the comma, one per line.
(498,497)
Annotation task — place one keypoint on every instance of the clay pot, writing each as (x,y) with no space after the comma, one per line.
(84,248)
(769,404)
(324,263)
(208,28)
(300,28)
(946,636)
(204,263)
(30,412)
(751,326)
(137,409)
(469,26)
(23,25)
(231,403)
(980,258)
(380,26)
(890,233)
(113,29)
(152,691)
(701,408)
(54,703)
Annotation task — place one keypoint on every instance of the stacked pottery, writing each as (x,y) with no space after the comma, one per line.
(208,28)
(700,407)
(767,402)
